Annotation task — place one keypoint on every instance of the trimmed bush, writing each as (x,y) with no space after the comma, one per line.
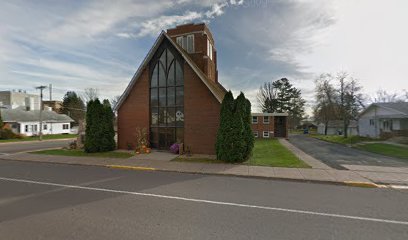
(234,138)
(7,134)
(243,106)
(226,115)
(99,132)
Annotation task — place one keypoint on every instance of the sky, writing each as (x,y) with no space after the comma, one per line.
(99,44)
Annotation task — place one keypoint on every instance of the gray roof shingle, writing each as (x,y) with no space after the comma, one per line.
(397,106)
(17,115)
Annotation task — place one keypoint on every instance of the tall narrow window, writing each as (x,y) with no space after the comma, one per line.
(186,42)
(179,41)
(209,49)
(166,100)
(190,43)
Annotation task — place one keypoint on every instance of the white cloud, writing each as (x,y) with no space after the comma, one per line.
(154,26)
(100,17)
(216,10)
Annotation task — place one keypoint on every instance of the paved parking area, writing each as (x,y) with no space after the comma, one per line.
(335,155)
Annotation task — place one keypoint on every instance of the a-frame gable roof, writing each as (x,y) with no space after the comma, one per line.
(216,89)
(399,108)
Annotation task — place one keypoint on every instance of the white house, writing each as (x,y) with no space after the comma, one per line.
(384,120)
(336,127)
(27,122)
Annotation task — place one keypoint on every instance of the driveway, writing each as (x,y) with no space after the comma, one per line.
(10,148)
(335,155)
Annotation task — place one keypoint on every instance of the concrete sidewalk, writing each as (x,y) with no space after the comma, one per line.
(358,177)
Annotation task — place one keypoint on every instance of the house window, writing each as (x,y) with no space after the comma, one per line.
(265,134)
(255,134)
(254,119)
(371,122)
(190,43)
(180,41)
(45,127)
(186,42)
(26,128)
(65,126)
(34,128)
(166,100)
(209,49)
(266,119)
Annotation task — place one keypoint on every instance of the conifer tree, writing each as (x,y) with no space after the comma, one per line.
(243,105)
(109,143)
(99,134)
(91,129)
(234,138)
(226,116)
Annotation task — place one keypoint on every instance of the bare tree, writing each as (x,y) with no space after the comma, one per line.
(282,96)
(326,108)
(342,102)
(383,96)
(350,99)
(114,101)
(90,94)
(267,97)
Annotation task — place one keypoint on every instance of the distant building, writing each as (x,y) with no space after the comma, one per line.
(384,120)
(336,127)
(269,125)
(55,106)
(27,122)
(19,100)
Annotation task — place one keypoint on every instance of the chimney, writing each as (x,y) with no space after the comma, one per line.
(198,42)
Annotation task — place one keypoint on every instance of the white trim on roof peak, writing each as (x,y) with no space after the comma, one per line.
(149,56)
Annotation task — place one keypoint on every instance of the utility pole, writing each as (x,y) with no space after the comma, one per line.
(50,87)
(41,107)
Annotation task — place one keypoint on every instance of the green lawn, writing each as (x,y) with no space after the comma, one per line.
(81,153)
(342,140)
(272,153)
(385,149)
(266,153)
(45,137)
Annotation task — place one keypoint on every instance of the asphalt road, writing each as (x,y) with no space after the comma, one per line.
(10,148)
(55,201)
(335,155)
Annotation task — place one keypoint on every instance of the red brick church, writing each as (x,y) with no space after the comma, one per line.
(175,94)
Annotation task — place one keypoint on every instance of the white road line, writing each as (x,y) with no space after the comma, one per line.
(209,201)
(403,187)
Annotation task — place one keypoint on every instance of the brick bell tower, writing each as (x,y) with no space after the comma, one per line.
(198,42)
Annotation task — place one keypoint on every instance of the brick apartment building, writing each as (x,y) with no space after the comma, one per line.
(175,94)
(268,125)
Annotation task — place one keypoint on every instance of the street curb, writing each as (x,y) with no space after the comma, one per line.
(361,184)
(130,167)
(344,183)
(137,168)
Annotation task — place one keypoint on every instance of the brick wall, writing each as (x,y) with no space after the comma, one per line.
(260,127)
(201,114)
(207,66)
(134,112)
